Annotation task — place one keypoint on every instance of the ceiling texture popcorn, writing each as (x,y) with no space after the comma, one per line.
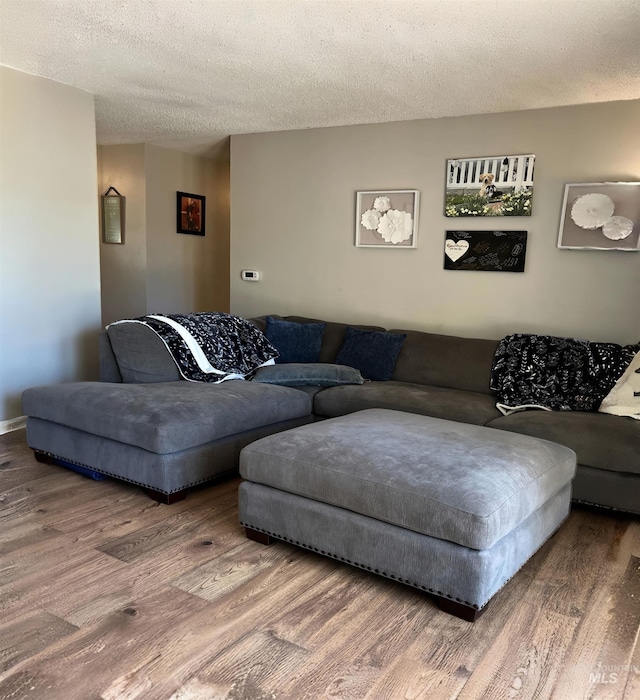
(187,73)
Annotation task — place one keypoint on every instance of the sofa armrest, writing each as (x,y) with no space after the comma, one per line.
(109,370)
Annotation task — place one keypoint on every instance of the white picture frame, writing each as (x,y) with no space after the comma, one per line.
(610,209)
(387,219)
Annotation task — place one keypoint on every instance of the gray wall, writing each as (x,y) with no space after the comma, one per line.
(123,266)
(184,272)
(49,268)
(293,216)
(157,269)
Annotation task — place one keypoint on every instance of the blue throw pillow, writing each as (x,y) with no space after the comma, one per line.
(296,342)
(308,374)
(374,353)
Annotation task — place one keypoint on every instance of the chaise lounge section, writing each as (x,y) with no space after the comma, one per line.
(166,437)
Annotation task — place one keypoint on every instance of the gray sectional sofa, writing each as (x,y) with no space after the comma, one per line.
(144,424)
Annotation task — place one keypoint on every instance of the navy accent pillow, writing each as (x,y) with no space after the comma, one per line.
(296,342)
(372,352)
(308,374)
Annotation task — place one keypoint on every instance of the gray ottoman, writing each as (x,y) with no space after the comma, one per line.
(449,508)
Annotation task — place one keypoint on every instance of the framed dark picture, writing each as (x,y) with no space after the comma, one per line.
(486,251)
(190,210)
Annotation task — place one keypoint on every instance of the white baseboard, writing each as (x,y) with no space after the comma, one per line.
(6,426)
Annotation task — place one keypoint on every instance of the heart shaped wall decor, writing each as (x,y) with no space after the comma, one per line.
(455,249)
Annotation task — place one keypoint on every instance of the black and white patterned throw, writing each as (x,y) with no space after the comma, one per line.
(559,374)
(211,346)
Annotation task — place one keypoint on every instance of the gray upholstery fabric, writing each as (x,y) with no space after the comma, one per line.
(446,361)
(450,404)
(468,576)
(607,488)
(141,354)
(310,390)
(600,440)
(453,481)
(261,321)
(165,417)
(167,473)
(109,370)
(308,374)
(445,366)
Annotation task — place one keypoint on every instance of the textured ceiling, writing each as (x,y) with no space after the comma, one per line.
(187,73)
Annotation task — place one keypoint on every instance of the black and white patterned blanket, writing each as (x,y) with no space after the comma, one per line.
(211,346)
(557,374)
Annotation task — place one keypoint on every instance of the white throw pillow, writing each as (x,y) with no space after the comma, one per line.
(624,398)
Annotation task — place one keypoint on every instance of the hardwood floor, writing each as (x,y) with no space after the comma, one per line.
(107,594)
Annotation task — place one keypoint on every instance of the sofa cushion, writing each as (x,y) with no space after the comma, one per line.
(374,353)
(309,374)
(445,360)
(165,417)
(599,440)
(296,342)
(141,354)
(451,404)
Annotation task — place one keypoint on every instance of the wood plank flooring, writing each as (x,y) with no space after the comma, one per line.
(106,594)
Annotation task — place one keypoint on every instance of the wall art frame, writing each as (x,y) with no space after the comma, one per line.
(600,216)
(485,251)
(113,216)
(387,218)
(489,186)
(190,213)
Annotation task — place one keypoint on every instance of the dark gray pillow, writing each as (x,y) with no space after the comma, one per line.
(308,374)
(372,352)
(296,342)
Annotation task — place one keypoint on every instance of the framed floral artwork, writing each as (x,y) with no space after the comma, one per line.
(601,216)
(387,218)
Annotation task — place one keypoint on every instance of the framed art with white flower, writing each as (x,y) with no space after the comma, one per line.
(387,218)
(600,216)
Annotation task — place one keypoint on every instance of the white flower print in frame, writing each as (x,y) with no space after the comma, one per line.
(387,218)
(600,216)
